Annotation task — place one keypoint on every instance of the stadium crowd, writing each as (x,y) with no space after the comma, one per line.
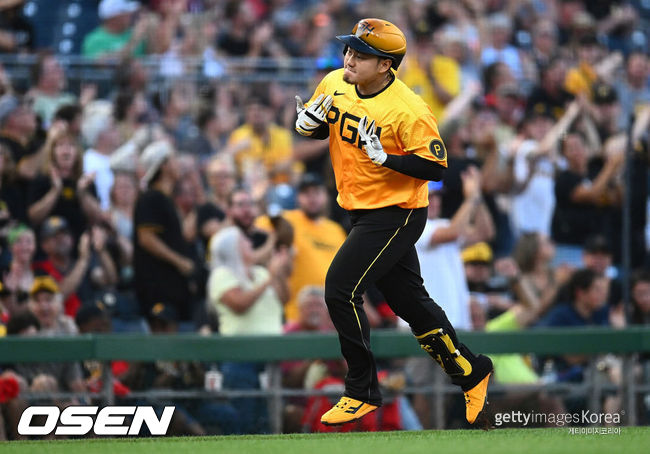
(195,208)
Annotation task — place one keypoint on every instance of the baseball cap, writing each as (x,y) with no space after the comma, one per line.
(53,225)
(90,312)
(597,244)
(153,157)
(540,109)
(477,253)
(44,284)
(112,8)
(8,104)
(309,179)
(604,94)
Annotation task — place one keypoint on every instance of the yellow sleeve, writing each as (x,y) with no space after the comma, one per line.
(423,139)
(575,82)
(263,223)
(237,135)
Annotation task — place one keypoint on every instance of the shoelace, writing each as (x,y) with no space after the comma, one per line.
(342,404)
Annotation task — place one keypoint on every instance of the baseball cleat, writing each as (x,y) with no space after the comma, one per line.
(475,403)
(346,410)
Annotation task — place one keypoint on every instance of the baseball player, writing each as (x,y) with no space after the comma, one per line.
(384,145)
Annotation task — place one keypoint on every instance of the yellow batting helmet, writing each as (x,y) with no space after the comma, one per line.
(377,37)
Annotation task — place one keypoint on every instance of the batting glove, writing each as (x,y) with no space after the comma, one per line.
(313,116)
(372,145)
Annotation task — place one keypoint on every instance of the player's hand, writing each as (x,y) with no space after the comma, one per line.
(372,145)
(313,116)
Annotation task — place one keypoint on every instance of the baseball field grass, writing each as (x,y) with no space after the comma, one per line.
(527,441)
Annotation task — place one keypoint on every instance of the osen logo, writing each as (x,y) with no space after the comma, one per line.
(78,420)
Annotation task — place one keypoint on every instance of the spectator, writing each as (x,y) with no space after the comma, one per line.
(115,37)
(62,189)
(248,299)
(640,293)
(10,194)
(550,95)
(96,161)
(580,78)
(48,94)
(205,146)
(45,302)
(16,33)
(544,43)
(129,110)
(18,135)
(580,196)
(78,279)
(221,177)
(19,277)
(174,105)
(123,197)
(162,263)
(436,77)
(588,305)
(597,255)
(533,254)
(269,150)
(242,212)
(316,239)
(535,161)
(633,89)
(499,48)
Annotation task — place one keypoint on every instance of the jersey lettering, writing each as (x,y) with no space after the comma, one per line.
(348,129)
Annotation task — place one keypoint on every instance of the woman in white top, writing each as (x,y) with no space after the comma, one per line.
(248,299)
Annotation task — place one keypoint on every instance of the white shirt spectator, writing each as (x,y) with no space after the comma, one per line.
(532,208)
(444,275)
(101,165)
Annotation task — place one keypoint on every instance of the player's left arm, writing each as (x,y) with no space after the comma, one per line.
(426,158)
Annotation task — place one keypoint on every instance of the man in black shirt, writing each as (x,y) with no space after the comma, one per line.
(17,136)
(162,265)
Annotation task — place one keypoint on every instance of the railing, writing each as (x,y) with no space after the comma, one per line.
(385,343)
(165,69)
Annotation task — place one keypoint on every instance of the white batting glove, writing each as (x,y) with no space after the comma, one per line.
(372,145)
(313,116)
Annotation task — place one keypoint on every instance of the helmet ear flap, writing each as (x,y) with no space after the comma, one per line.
(345,49)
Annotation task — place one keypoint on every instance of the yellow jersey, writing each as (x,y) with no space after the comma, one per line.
(315,245)
(444,69)
(405,125)
(269,152)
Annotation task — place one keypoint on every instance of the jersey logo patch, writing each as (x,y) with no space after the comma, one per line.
(336,93)
(438,149)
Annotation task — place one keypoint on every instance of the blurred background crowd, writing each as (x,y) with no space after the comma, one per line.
(151,181)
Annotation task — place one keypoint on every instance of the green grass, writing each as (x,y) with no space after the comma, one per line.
(526,441)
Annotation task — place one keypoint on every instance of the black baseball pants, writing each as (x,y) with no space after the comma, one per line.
(380,249)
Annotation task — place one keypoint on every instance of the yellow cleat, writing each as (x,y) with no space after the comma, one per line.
(346,410)
(475,402)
